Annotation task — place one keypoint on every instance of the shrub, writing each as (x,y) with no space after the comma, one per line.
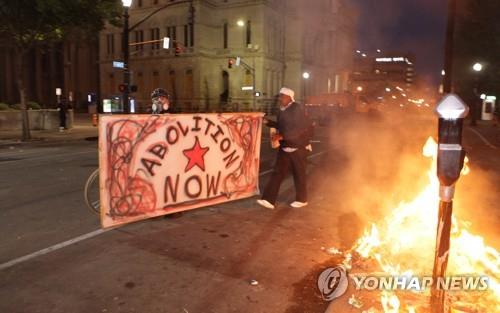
(33,105)
(4,106)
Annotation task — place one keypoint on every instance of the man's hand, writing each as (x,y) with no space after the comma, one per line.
(277,137)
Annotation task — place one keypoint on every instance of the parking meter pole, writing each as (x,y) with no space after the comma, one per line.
(451,111)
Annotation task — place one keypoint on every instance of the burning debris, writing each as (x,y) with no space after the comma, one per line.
(402,245)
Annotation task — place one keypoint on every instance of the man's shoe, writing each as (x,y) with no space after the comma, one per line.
(298,204)
(265,204)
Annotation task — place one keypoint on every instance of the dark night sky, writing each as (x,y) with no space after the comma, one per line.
(416,26)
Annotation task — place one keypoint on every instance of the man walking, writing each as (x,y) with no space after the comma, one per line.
(294,133)
(62,108)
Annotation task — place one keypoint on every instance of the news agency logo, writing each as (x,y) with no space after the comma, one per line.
(332,282)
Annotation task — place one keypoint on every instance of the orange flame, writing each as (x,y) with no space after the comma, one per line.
(411,229)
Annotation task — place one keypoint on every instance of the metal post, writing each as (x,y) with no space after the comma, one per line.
(253,88)
(450,160)
(126,54)
(438,296)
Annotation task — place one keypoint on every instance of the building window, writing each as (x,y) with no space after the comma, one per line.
(155,80)
(186,37)
(110,43)
(225,35)
(249,33)
(171,84)
(155,35)
(139,37)
(191,34)
(172,34)
(188,85)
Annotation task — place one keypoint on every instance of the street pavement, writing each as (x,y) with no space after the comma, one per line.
(206,259)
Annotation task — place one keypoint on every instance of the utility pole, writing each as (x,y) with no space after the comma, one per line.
(125,42)
(126,55)
(448,49)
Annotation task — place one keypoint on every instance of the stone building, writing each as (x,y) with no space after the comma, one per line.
(71,65)
(277,41)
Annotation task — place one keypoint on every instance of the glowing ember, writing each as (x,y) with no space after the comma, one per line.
(403,245)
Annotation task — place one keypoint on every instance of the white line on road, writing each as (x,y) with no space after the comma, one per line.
(37,157)
(489,144)
(88,235)
(53,248)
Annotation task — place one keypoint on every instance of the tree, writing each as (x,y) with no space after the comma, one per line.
(27,24)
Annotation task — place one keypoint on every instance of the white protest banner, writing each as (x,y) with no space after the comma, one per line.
(153,165)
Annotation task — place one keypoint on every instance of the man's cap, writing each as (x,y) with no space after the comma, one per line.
(287,91)
(159,92)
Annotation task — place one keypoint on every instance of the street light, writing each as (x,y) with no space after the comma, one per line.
(306,76)
(126,55)
(477,68)
(240,23)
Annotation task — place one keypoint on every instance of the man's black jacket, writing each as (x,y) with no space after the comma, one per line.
(294,125)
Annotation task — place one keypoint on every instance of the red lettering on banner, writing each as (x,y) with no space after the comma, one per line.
(168,187)
(228,145)
(188,192)
(231,158)
(171,129)
(149,165)
(196,122)
(159,150)
(217,133)
(211,186)
(159,164)
(210,123)
(184,131)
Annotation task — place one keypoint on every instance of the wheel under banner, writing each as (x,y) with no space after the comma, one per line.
(152,165)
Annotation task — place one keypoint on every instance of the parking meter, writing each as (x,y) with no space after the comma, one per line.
(451,111)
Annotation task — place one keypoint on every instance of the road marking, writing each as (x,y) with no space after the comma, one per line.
(53,248)
(34,159)
(489,144)
(89,235)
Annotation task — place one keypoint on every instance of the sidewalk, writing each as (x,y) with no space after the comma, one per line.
(82,129)
(487,130)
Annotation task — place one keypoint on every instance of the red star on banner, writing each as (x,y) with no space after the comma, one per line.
(195,156)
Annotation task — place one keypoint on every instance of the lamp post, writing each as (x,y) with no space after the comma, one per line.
(126,55)
(306,76)
(477,68)
(451,111)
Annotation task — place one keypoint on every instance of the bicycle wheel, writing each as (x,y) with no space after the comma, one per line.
(91,192)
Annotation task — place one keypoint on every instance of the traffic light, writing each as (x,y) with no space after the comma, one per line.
(178,49)
(230,63)
(131,88)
